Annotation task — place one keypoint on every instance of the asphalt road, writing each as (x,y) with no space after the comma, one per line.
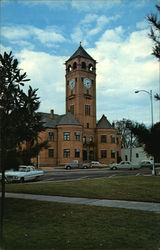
(62,174)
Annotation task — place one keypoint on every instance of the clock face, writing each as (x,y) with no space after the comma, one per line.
(71,83)
(87,83)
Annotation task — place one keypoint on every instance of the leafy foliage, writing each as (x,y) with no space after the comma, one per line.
(154,20)
(20,123)
(150,138)
(127,137)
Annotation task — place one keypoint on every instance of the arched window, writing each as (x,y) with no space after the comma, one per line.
(83,65)
(74,65)
(69,68)
(90,67)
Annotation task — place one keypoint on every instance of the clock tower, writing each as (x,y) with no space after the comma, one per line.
(81,88)
(75,135)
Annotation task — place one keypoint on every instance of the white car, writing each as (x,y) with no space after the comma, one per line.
(123,165)
(24,173)
(97,164)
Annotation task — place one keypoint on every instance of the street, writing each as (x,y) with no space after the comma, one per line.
(62,174)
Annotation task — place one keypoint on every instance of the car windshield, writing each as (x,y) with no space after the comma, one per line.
(22,169)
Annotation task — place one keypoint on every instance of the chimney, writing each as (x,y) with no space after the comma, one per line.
(52,114)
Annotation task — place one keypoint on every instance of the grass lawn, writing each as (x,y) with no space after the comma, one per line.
(41,225)
(137,188)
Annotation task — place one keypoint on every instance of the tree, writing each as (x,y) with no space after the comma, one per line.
(154,34)
(150,138)
(127,138)
(154,20)
(21,123)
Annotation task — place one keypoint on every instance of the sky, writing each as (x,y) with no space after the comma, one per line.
(43,34)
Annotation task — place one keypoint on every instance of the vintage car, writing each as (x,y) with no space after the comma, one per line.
(123,165)
(74,164)
(146,164)
(97,164)
(24,173)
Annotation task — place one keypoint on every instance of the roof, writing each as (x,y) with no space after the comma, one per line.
(66,119)
(48,122)
(104,123)
(80,52)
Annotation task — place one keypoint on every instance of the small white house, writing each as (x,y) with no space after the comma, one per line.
(134,155)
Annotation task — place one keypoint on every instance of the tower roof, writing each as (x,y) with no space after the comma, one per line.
(104,123)
(80,52)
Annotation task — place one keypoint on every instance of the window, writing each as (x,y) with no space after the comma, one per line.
(51,136)
(112,139)
(137,155)
(77,136)
(91,139)
(87,109)
(84,140)
(69,68)
(117,140)
(50,153)
(103,153)
(90,67)
(66,136)
(87,125)
(103,138)
(66,153)
(112,154)
(77,153)
(91,155)
(72,109)
(74,65)
(83,65)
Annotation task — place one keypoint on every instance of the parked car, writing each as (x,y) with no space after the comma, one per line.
(24,173)
(123,165)
(146,164)
(74,164)
(97,164)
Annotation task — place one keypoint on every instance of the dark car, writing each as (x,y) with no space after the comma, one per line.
(146,164)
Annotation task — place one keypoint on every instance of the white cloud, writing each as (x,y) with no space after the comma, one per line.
(95,5)
(124,65)
(89,18)
(77,35)
(47,74)
(100,23)
(142,25)
(50,3)
(91,25)
(48,36)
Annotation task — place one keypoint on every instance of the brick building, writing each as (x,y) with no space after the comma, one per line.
(77,134)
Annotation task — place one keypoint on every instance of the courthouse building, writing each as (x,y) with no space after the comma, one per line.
(76,135)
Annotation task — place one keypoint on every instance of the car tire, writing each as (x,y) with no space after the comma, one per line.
(68,167)
(22,180)
(114,168)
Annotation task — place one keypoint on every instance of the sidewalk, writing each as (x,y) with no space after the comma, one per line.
(143,206)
